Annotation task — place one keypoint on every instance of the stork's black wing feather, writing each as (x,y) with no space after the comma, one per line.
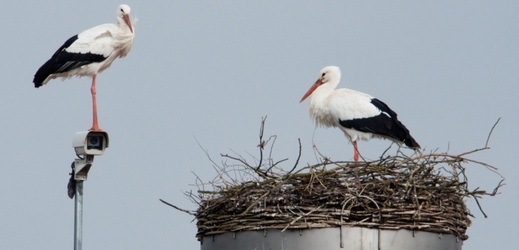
(385,124)
(63,61)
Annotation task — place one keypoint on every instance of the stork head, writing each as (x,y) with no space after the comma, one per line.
(330,76)
(123,15)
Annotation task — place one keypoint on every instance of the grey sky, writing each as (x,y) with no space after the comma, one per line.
(211,71)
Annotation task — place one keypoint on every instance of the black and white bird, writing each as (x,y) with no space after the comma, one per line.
(89,53)
(358,115)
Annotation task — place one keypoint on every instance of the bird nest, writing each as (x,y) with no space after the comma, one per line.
(423,192)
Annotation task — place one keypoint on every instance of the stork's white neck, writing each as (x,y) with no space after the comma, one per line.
(318,104)
(123,26)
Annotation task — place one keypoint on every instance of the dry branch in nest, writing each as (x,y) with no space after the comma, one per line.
(424,192)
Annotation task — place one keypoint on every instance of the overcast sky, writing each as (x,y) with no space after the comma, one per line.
(208,71)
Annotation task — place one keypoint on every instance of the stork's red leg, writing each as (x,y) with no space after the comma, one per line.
(355,152)
(95,125)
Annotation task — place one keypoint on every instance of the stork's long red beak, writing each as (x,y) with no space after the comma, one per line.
(311,90)
(128,22)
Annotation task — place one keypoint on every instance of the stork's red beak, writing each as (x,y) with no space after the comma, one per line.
(128,22)
(311,90)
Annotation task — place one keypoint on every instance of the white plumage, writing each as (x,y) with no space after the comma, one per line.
(359,115)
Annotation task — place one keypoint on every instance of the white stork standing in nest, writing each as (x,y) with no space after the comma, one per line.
(358,115)
(89,53)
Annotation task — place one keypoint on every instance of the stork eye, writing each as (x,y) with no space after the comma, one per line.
(323,74)
(122,10)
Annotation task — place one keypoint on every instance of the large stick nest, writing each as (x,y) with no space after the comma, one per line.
(422,192)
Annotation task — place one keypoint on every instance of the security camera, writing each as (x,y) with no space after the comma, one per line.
(90,142)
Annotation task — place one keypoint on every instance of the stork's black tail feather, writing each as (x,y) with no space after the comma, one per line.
(405,136)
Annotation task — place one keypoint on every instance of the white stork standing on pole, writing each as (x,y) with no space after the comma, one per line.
(358,115)
(89,53)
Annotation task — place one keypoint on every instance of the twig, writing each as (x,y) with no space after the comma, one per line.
(211,160)
(274,164)
(494,193)
(177,208)
(486,143)
(271,147)
(262,142)
(491,130)
(477,202)
(198,179)
(298,157)
(246,164)
(299,217)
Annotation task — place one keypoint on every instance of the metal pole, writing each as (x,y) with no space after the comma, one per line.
(78,216)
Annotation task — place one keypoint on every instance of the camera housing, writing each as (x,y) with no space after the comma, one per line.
(90,142)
